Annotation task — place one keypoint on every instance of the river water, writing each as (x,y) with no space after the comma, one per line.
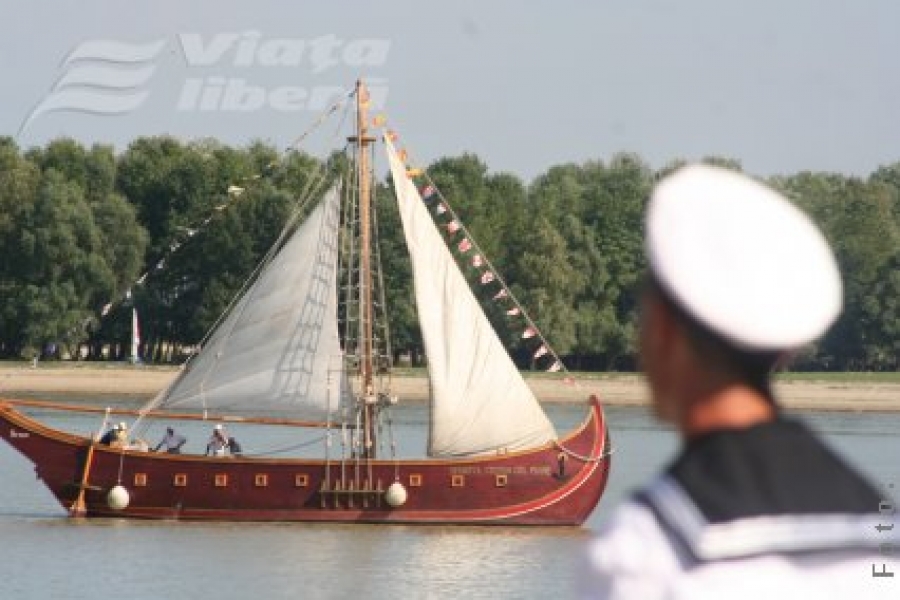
(45,555)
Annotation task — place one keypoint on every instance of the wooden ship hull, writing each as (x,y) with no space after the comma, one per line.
(558,484)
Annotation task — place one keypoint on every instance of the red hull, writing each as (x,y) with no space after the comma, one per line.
(524,488)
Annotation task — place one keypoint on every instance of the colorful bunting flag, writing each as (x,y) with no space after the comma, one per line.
(427,192)
(442,208)
(540,351)
(555,367)
(513,311)
(453,226)
(391,135)
(501,294)
(465,245)
(414,172)
(477,261)
(402,155)
(379,120)
(487,277)
(142,278)
(105,310)
(529,333)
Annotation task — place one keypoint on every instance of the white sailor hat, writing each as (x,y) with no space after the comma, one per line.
(741,259)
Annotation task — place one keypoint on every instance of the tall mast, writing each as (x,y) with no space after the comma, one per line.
(364,175)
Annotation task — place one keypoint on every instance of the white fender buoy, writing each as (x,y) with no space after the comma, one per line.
(118,498)
(395,494)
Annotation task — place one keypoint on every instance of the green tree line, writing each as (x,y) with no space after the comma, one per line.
(79,226)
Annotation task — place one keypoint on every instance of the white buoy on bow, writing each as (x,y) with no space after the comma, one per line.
(118,498)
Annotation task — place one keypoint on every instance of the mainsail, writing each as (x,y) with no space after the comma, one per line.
(278,349)
(480,404)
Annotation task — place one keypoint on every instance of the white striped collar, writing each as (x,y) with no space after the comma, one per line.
(756,535)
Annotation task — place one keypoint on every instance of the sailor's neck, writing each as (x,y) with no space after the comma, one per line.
(733,406)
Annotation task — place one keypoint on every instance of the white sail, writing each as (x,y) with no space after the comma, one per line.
(278,348)
(480,403)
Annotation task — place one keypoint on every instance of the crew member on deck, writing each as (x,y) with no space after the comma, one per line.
(171,443)
(755,505)
(218,442)
(116,436)
(110,435)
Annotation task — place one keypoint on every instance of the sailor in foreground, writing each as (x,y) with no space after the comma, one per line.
(754,506)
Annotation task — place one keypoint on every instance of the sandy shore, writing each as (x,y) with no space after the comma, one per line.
(614,390)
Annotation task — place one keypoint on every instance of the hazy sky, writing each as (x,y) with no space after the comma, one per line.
(782,85)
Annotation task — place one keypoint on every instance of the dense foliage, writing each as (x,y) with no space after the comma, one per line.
(79,227)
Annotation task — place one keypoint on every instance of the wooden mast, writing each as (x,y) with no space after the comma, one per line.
(367,366)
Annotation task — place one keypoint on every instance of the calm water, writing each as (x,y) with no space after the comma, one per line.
(45,555)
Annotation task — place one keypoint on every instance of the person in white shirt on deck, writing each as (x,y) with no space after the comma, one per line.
(755,506)
(218,442)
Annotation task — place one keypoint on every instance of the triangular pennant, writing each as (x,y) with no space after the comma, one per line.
(513,311)
(541,351)
(442,208)
(555,367)
(453,226)
(529,333)
(487,277)
(391,135)
(105,310)
(414,172)
(465,245)
(379,120)
(477,261)
(427,192)
(501,294)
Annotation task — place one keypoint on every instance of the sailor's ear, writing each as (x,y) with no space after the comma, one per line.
(658,324)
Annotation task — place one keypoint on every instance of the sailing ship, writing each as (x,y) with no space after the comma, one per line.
(296,350)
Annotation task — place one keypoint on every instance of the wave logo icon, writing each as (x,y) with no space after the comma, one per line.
(101,77)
